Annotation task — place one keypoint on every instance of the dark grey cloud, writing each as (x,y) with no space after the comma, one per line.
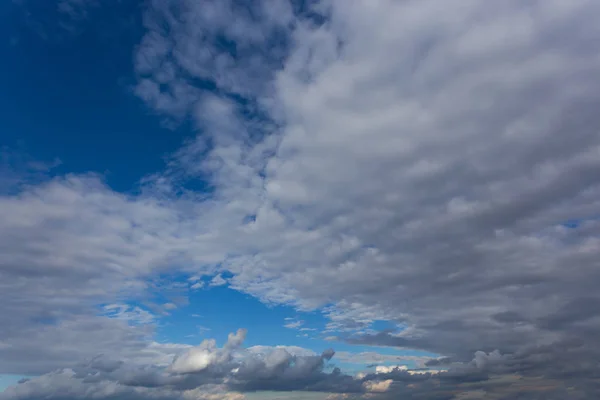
(205,370)
(282,371)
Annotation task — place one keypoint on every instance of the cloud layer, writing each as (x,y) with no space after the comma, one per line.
(429,163)
(202,372)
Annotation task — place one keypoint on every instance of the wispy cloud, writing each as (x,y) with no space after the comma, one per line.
(133,314)
(293,324)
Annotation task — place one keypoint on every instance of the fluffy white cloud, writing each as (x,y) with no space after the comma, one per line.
(207,354)
(378,387)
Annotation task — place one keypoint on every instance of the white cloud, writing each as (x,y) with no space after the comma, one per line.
(129,313)
(218,280)
(207,354)
(293,324)
(198,394)
(378,386)
(293,350)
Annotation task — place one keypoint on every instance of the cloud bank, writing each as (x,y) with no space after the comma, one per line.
(429,163)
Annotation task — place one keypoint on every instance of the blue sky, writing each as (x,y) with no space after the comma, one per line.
(56,83)
(200,199)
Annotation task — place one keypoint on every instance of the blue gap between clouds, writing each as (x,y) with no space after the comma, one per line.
(223,310)
(577,222)
(7,380)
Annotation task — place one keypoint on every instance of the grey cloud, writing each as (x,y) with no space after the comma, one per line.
(438,361)
(207,356)
(508,317)
(187,42)
(68,245)
(280,370)
(422,174)
(61,385)
(197,371)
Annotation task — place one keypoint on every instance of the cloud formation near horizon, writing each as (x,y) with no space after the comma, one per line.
(433,164)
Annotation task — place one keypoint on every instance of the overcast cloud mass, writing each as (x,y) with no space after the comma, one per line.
(433,164)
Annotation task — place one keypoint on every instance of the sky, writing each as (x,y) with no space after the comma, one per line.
(299,199)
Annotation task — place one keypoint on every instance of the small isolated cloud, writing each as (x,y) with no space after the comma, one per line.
(218,280)
(293,323)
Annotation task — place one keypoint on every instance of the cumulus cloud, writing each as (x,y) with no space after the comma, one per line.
(201,372)
(378,387)
(207,354)
(287,369)
(429,163)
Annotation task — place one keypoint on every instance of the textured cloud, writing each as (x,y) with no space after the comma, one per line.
(202,372)
(424,164)
(429,163)
(68,245)
(207,355)
(67,385)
